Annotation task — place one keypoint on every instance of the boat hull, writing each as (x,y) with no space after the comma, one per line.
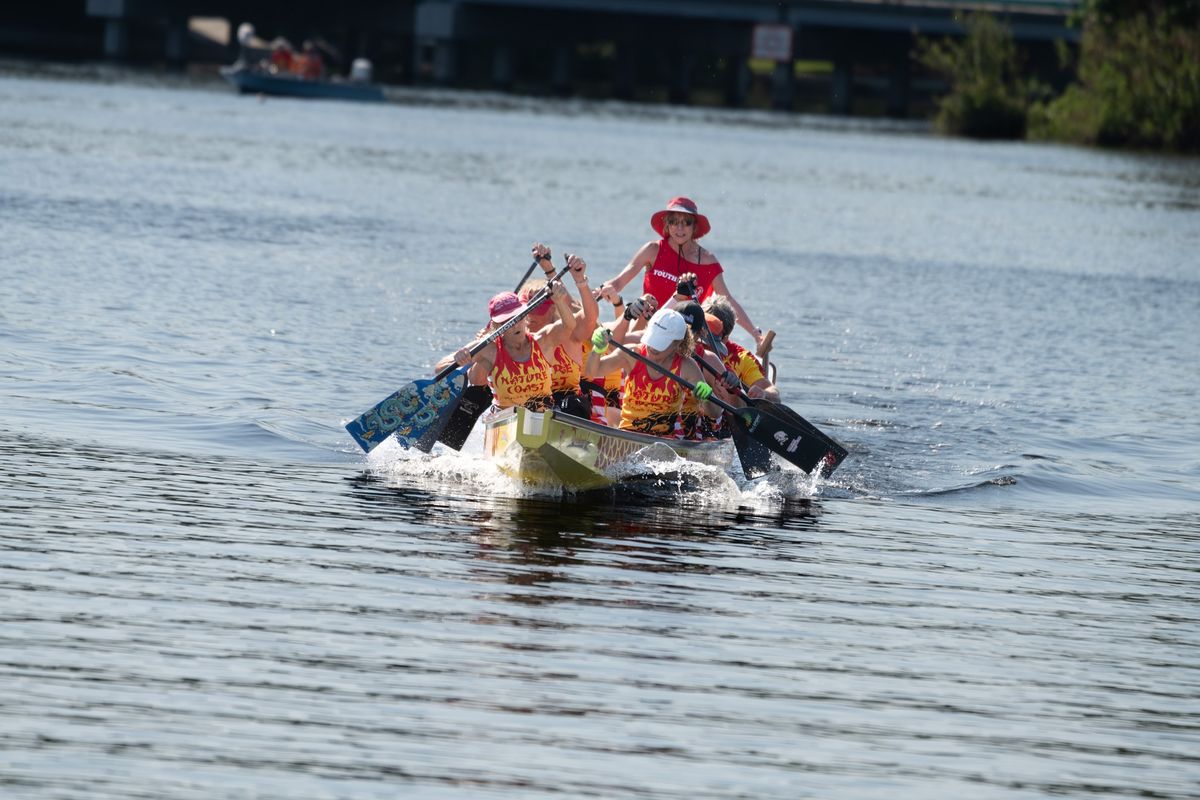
(248,81)
(553,449)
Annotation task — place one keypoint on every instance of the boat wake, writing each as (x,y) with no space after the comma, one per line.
(654,474)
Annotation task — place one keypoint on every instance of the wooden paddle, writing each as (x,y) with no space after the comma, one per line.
(417,413)
(790,442)
(764,352)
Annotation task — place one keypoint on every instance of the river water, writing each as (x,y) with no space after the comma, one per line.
(208,592)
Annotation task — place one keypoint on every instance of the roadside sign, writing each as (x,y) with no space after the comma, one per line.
(772,42)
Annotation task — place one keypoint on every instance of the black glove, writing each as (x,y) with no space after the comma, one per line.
(686,288)
(635,309)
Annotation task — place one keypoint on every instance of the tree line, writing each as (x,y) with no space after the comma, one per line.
(1136,79)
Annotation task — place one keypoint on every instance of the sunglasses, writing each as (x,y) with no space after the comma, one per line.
(685,221)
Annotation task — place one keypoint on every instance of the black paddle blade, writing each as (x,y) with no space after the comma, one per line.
(755,458)
(836,452)
(475,400)
(804,446)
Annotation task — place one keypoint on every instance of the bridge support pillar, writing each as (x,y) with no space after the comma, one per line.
(738,83)
(502,67)
(626,71)
(898,87)
(841,92)
(681,79)
(783,86)
(116,39)
(435,28)
(560,75)
(177,40)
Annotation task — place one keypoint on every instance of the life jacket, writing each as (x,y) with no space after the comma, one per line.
(651,404)
(519,383)
(662,277)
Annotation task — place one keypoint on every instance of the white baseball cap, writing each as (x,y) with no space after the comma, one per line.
(666,327)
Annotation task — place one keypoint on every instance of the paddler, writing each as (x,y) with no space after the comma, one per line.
(514,364)
(564,339)
(606,392)
(650,400)
(741,362)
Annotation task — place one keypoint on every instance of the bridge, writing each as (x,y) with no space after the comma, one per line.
(723,52)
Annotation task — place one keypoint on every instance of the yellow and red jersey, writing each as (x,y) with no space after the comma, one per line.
(515,383)
(651,404)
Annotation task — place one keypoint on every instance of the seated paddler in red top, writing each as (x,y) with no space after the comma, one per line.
(650,400)
(678,252)
(741,362)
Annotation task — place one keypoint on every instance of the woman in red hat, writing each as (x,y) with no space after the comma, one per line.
(677,261)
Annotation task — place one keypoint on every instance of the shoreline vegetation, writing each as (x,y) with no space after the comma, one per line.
(1136,80)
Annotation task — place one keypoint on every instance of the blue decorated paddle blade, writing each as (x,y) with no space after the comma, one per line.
(410,412)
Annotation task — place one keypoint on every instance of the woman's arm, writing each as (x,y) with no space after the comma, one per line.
(481,363)
(763,389)
(598,365)
(641,259)
(566,317)
(691,373)
(585,323)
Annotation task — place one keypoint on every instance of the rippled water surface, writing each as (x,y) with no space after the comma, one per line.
(208,592)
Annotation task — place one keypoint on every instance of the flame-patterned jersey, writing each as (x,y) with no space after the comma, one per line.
(516,383)
(564,370)
(740,362)
(743,363)
(648,404)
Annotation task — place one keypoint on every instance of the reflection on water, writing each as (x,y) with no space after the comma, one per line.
(630,509)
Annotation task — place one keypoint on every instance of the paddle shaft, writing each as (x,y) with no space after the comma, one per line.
(525,277)
(716,351)
(530,305)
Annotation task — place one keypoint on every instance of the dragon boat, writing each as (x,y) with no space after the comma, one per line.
(555,449)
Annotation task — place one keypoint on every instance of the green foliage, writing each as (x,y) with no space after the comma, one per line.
(989,96)
(1108,13)
(1138,79)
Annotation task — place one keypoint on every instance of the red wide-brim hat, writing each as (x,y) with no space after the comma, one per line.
(680,205)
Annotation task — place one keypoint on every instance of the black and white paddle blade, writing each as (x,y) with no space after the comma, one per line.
(475,400)
(807,448)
